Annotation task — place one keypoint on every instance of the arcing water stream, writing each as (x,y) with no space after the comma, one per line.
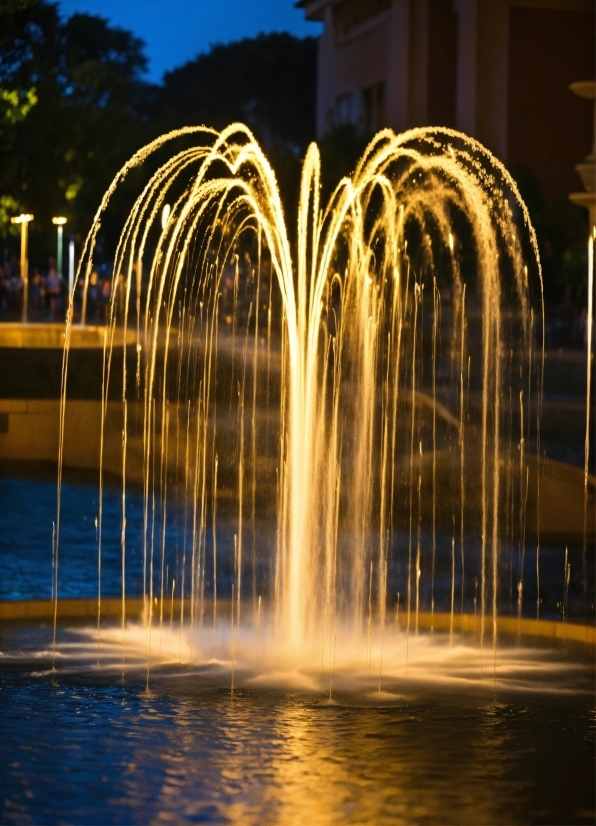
(356,405)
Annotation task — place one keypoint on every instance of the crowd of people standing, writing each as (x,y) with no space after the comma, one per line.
(47,292)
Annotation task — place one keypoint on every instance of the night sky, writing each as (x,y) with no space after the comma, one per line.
(177,30)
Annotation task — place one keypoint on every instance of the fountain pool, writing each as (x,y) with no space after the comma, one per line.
(94,740)
(93,748)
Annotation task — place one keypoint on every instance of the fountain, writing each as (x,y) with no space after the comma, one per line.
(367,356)
(329,451)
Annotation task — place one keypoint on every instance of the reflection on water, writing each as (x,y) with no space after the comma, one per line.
(78,749)
(101,741)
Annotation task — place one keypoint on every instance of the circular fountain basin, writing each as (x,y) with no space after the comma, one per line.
(106,733)
(104,742)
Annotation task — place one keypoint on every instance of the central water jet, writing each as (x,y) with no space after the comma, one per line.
(337,425)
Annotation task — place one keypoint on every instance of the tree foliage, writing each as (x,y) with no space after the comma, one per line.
(267,82)
(75,109)
(562,232)
(74,106)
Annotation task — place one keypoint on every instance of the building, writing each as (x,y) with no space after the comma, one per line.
(498,70)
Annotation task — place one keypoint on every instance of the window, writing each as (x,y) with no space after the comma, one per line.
(373,99)
(346,109)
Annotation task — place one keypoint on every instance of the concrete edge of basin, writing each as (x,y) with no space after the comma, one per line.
(111,608)
(68,608)
(509,626)
(51,336)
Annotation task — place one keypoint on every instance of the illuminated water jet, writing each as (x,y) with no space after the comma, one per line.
(356,404)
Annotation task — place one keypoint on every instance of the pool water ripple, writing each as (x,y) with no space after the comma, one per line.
(76,750)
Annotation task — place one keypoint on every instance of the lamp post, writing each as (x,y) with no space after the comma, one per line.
(23,220)
(59,222)
(587,169)
(71,264)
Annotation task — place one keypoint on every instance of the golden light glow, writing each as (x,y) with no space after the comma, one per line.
(346,318)
(59,221)
(24,218)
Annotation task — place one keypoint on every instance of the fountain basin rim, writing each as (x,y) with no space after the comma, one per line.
(86,608)
(51,336)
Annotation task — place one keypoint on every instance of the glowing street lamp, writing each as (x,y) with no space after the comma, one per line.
(165,214)
(23,220)
(59,222)
(71,264)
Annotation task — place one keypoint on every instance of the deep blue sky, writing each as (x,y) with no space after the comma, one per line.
(177,30)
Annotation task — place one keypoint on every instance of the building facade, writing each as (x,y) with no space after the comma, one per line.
(498,70)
